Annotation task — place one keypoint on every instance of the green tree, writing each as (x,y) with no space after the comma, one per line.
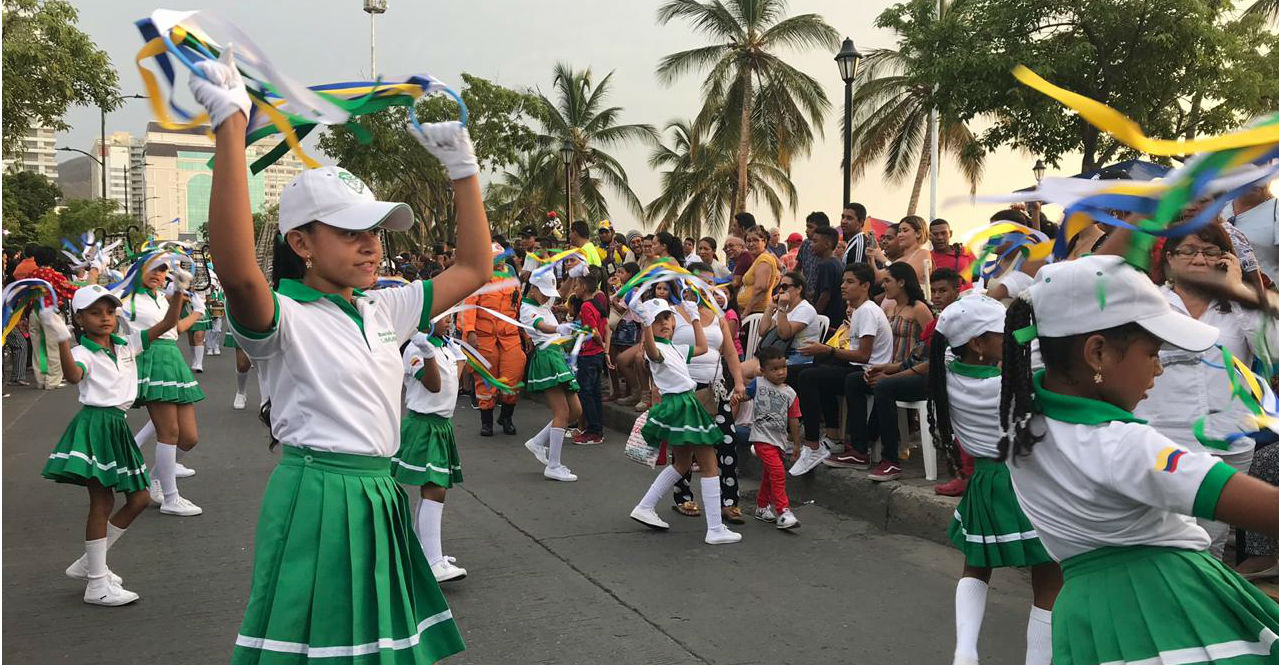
(1179,68)
(399,169)
(27,197)
(579,116)
(892,103)
(698,179)
(525,191)
(748,81)
(78,216)
(49,65)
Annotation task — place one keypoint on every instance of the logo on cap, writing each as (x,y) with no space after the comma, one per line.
(351,181)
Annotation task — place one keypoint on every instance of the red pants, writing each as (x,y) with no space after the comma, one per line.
(772,484)
(506,360)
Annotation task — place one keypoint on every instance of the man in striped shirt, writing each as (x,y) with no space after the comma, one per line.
(851,223)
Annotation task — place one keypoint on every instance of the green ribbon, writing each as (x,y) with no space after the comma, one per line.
(1024,335)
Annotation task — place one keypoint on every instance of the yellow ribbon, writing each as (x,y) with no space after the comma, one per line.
(154,97)
(1125,130)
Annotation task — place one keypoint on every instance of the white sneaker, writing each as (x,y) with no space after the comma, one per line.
(197,367)
(180,507)
(766,514)
(828,443)
(445,571)
(157,494)
(787,520)
(182,471)
(538,451)
(808,460)
(560,473)
(239,401)
(103,591)
(648,517)
(80,571)
(721,536)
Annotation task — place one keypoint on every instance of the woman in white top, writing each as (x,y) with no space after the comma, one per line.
(788,320)
(1194,387)
(706,253)
(337,574)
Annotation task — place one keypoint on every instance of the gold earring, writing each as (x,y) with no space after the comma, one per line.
(1097,378)
(308,262)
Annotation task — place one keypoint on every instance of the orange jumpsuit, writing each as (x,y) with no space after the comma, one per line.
(498,341)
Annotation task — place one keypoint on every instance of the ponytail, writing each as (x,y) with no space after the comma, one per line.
(1017,391)
(939,400)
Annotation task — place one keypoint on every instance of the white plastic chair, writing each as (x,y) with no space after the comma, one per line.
(925,435)
(823,326)
(749,325)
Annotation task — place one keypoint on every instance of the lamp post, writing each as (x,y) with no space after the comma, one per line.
(566,152)
(1039,170)
(102,139)
(848,59)
(373,8)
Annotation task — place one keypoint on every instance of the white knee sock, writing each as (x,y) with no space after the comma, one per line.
(970,608)
(95,557)
(241,382)
(145,436)
(166,459)
(660,487)
(430,514)
(543,437)
(199,356)
(113,534)
(711,503)
(557,445)
(1039,637)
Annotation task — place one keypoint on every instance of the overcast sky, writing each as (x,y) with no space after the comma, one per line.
(516,44)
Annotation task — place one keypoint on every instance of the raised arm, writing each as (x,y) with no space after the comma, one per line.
(170,319)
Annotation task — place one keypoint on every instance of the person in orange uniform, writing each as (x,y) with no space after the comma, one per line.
(500,344)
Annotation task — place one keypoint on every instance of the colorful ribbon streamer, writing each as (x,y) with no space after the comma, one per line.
(20,297)
(1255,395)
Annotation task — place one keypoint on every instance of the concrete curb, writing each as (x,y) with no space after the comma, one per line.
(908,506)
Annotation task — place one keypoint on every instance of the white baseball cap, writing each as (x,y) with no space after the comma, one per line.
(545,282)
(971,317)
(87,295)
(334,196)
(1102,291)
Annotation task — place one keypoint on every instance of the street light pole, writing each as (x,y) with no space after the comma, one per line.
(848,59)
(566,152)
(373,8)
(102,140)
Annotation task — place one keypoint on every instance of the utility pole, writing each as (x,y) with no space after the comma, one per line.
(373,8)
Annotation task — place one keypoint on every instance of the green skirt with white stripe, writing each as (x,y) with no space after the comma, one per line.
(98,445)
(1128,605)
(338,574)
(548,369)
(680,420)
(428,453)
(163,376)
(989,525)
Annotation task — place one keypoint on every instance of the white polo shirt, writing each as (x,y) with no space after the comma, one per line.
(333,370)
(110,374)
(416,396)
(531,313)
(1101,477)
(974,407)
(670,374)
(144,308)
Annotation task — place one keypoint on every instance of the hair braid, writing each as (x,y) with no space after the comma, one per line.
(939,401)
(1016,389)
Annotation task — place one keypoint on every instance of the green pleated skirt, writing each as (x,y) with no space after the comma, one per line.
(338,573)
(428,452)
(680,420)
(1122,605)
(548,369)
(98,445)
(989,526)
(163,376)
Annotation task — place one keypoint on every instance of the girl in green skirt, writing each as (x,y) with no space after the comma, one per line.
(989,526)
(338,574)
(679,419)
(97,449)
(548,372)
(198,330)
(1110,497)
(428,454)
(166,387)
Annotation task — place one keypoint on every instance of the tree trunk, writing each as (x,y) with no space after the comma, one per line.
(743,143)
(1091,138)
(925,162)
(1192,119)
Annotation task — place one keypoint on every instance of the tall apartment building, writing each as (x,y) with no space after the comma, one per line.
(37,154)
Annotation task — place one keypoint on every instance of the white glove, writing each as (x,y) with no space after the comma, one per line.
(565,329)
(222,94)
(197,303)
(423,342)
(54,325)
(648,314)
(690,308)
(181,278)
(579,269)
(451,144)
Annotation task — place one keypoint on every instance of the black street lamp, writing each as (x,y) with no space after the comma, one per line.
(102,145)
(848,59)
(566,152)
(1039,170)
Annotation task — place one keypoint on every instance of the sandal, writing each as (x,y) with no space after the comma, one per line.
(688,509)
(733,515)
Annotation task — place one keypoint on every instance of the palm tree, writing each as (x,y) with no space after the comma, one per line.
(700,181)
(746,78)
(1267,8)
(890,122)
(527,190)
(579,116)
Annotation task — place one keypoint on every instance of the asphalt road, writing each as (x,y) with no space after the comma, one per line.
(558,573)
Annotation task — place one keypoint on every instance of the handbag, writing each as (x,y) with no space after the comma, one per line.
(637,449)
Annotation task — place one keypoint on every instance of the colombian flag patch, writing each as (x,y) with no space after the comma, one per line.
(1168,458)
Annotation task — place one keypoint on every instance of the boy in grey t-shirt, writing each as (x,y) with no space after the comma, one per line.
(774,432)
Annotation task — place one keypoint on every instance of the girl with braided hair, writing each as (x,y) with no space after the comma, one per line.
(989,526)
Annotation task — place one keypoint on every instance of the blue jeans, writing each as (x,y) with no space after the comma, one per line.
(590,371)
